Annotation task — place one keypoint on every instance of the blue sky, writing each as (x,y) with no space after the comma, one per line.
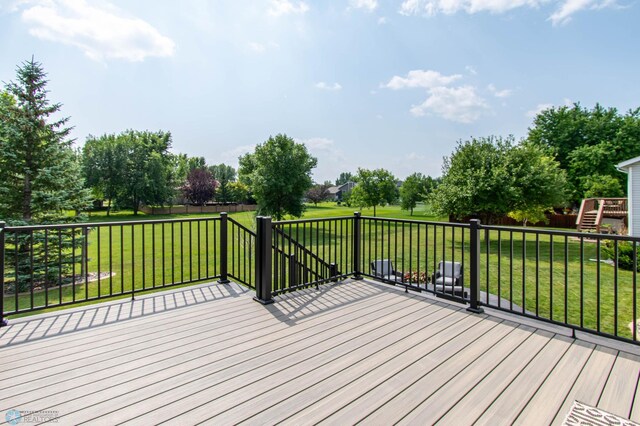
(363,83)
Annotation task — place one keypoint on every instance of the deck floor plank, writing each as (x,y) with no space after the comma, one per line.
(180,379)
(542,408)
(513,398)
(139,372)
(344,371)
(355,351)
(590,382)
(467,409)
(236,393)
(619,392)
(437,403)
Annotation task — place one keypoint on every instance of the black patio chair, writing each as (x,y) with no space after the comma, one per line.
(448,279)
(384,269)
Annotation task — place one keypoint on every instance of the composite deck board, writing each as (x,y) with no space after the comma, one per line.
(513,398)
(436,404)
(352,352)
(542,408)
(314,403)
(143,370)
(327,358)
(590,382)
(619,392)
(386,404)
(223,370)
(469,408)
(431,338)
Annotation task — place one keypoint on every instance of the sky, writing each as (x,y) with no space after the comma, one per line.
(362,83)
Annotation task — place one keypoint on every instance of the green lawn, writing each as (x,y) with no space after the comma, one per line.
(542,288)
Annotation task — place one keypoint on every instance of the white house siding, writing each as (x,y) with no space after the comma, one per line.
(634,199)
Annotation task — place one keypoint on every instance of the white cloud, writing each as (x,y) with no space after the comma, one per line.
(382,20)
(564,10)
(568,7)
(319,144)
(504,93)
(231,156)
(541,107)
(538,109)
(471,70)
(261,47)
(101,32)
(331,159)
(287,7)
(419,78)
(412,156)
(460,104)
(368,5)
(257,47)
(328,86)
(433,7)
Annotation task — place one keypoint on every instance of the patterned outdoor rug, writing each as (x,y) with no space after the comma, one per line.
(583,414)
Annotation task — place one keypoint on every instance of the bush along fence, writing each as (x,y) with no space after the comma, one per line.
(587,282)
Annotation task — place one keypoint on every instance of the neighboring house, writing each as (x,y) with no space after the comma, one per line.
(336,192)
(632,169)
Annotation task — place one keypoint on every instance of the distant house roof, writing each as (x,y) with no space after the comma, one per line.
(333,189)
(628,163)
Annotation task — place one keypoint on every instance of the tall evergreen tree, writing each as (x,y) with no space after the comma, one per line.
(40,178)
(40,181)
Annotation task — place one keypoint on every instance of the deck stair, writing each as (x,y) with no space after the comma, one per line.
(594,210)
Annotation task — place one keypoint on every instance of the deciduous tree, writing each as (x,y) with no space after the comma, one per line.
(278,174)
(318,193)
(225,175)
(588,144)
(414,190)
(374,188)
(199,187)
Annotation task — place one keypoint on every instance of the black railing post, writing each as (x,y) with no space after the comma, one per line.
(3,322)
(333,272)
(474,275)
(224,247)
(263,260)
(356,246)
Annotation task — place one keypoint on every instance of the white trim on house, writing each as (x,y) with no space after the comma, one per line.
(632,169)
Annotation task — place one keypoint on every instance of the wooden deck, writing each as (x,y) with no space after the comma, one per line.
(351,352)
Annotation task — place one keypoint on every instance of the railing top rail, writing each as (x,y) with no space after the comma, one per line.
(241,226)
(113,223)
(576,234)
(424,222)
(320,219)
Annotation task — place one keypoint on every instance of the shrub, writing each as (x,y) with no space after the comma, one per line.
(625,254)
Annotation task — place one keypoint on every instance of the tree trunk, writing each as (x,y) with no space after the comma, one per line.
(26,198)
(374,211)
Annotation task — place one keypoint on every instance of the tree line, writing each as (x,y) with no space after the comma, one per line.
(569,153)
(135,168)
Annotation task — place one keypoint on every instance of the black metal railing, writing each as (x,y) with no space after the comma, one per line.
(240,242)
(45,266)
(587,282)
(310,252)
(584,281)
